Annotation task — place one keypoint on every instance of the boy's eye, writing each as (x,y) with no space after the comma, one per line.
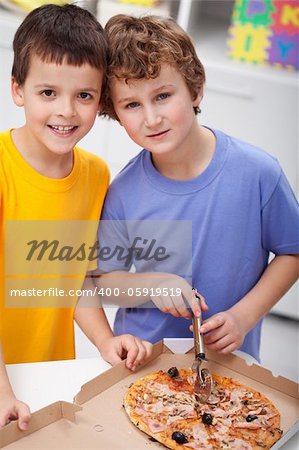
(84,95)
(132,105)
(48,92)
(163,96)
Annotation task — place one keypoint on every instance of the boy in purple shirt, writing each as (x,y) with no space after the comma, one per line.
(235,196)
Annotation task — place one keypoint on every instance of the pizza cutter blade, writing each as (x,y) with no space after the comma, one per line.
(203,379)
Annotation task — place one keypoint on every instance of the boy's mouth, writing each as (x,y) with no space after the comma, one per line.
(156,135)
(63,129)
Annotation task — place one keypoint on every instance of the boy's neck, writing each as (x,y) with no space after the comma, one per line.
(44,162)
(192,161)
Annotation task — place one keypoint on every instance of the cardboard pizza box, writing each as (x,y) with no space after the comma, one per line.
(97,419)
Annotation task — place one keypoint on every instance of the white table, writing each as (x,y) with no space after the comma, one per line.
(39,384)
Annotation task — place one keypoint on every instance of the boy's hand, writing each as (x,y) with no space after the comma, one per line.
(115,349)
(13,409)
(182,299)
(169,292)
(223,332)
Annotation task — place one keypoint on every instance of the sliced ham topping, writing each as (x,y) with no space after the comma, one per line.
(220,430)
(213,400)
(255,406)
(256,412)
(239,444)
(218,412)
(255,425)
(139,410)
(235,402)
(180,412)
(155,407)
(236,395)
(200,433)
(161,388)
(155,426)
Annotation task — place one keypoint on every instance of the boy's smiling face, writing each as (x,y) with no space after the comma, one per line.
(60,103)
(157,113)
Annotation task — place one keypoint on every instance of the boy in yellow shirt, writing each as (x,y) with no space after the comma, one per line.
(58,71)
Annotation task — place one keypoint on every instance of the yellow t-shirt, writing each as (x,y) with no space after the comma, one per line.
(42,334)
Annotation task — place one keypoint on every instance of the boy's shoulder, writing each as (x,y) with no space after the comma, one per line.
(94,167)
(128,174)
(6,143)
(4,139)
(251,153)
(90,162)
(253,158)
(91,158)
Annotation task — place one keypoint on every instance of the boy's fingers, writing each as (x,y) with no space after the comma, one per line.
(163,305)
(181,308)
(132,349)
(229,349)
(140,358)
(148,348)
(172,305)
(24,416)
(114,359)
(3,421)
(21,412)
(136,354)
(212,324)
(203,304)
(22,425)
(144,351)
(195,306)
(198,304)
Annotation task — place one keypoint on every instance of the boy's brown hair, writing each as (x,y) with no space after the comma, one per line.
(139,46)
(56,34)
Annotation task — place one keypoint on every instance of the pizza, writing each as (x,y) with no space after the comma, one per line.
(163,405)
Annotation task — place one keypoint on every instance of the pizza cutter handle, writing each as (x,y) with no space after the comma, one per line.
(198,339)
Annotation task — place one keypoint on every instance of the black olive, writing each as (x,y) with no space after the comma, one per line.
(179,437)
(250,418)
(207,418)
(173,372)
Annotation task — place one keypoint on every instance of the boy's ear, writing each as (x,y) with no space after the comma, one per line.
(17,92)
(198,98)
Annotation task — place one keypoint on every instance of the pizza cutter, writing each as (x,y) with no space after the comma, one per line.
(203,382)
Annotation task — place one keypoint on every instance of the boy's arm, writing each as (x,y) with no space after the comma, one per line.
(226,330)
(10,407)
(169,292)
(93,322)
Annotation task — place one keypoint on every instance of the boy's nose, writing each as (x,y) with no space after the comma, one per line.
(152,117)
(66,108)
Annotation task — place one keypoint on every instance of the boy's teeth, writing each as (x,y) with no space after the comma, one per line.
(61,128)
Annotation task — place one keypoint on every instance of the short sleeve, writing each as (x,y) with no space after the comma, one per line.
(113,238)
(280,220)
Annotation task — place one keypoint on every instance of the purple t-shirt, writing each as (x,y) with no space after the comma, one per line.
(240,209)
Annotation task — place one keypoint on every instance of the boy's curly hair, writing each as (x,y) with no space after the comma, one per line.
(57,33)
(139,46)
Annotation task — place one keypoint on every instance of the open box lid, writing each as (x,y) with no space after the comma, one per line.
(102,423)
